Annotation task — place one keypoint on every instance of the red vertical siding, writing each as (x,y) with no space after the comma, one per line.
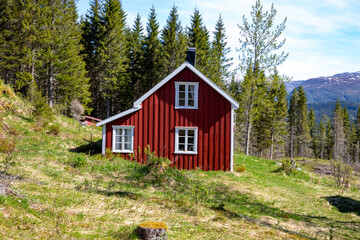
(155,125)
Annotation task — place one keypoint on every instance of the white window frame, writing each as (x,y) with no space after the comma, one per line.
(115,127)
(177,151)
(196,92)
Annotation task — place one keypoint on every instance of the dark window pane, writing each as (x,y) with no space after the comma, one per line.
(191,133)
(127,146)
(181,132)
(118,139)
(128,132)
(181,102)
(118,131)
(181,95)
(191,87)
(190,147)
(127,139)
(182,87)
(190,140)
(181,139)
(181,147)
(117,146)
(191,103)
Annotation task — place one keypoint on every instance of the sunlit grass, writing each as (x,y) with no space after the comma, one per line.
(70,193)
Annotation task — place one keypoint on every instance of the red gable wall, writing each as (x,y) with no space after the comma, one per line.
(155,125)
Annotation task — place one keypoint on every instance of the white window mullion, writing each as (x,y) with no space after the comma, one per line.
(196,92)
(176,139)
(122,139)
(132,141)
(177,95)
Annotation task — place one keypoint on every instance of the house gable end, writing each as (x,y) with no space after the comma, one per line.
(137,104)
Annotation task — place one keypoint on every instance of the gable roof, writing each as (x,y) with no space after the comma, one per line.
(137,104)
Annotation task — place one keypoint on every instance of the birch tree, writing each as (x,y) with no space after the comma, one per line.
(259,45)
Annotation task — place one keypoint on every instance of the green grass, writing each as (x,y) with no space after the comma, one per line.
(71,192)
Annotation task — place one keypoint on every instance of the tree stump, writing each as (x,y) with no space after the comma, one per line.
(152,231)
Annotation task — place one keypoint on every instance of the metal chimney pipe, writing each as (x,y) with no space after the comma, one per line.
(191,55)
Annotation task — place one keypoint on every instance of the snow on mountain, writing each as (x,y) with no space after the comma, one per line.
(342,86)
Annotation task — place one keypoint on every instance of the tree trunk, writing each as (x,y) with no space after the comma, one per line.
(272,145)
(51,85)
(247,141)
(357,153)
(292,143)
(248,122)
(32,83)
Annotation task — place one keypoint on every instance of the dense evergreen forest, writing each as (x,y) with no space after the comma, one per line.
(105,63)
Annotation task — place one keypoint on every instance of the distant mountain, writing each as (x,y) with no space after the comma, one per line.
(289,86)
(323,92)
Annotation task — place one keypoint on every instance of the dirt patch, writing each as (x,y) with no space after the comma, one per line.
(325,170)
(322,170)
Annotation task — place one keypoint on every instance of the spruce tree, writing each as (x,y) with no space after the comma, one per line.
(260,135)
(20,32)
(302,130)
(174,42)
(321,141)
(269,121)
(39,42)
(329,146)
(198,37)
(63,69)
(10,27)
(338,133)
(313,131)
(292,123)
(299,131)
(136,58)
(278,100)
(220,63)
(91,37)
(357,137)
(351,142)
(153,59)
(113,58)
(252,92)
(348,135)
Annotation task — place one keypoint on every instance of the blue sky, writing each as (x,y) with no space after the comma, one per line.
(322,37)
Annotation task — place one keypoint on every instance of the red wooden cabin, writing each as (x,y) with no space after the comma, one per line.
(185,117)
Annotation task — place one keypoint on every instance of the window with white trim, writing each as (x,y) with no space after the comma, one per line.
(186,140)
(123,139)
(186,95)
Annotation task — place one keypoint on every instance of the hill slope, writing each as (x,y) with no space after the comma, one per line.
(62,191)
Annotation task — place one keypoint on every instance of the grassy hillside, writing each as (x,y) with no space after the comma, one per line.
(62,188)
